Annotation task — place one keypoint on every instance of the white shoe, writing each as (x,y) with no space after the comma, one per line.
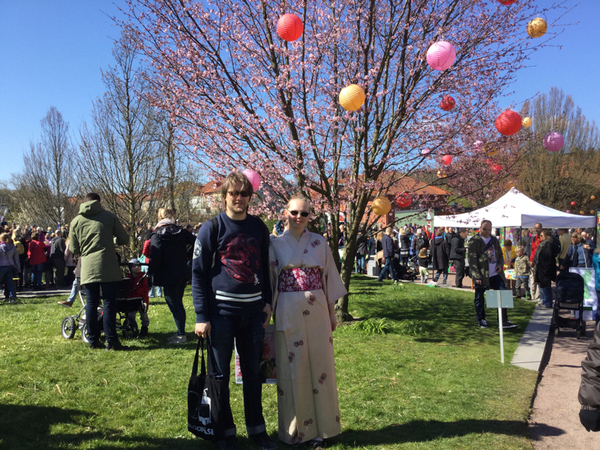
(177,339)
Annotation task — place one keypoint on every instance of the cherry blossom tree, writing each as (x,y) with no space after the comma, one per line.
(244,98)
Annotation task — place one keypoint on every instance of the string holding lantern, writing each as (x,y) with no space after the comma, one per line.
(253,177)
(441,55)
(352,97)
(508,123)
(553,141)
(537,27)
(447,159)
(289,27)
(526,122)
(403,200)
(381,206)
(447,103)
(496,168)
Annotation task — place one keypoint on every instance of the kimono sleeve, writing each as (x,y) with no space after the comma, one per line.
(273,268)
(332,281)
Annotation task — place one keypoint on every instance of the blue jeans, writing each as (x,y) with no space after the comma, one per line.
(74,290)
(444,272)
(249,334)
(6,274)
(360,264)
(174,299)
(37,270)
(155,291)
(546,296)
(109,298)
(388,267)
(497,284)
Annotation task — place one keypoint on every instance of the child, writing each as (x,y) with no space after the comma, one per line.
(138,287)
(522,269)
(423,265)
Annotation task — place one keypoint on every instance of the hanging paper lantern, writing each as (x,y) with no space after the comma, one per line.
(568,211)
(441,55)
(526,122)
(496,168)
(553,141)
(582,212)
(490,149)
(441,174)
(593,197)
(381,206)
(403,200)
(488,161)
(592,211)
(253,177)
(537,27)
(508,123)
(352,97)
(477,146)
(425,152)
(507,2)
(447,103)
(289,27)
(572,203)
(447,159)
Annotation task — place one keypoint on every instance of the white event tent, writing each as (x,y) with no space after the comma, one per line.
(515,210)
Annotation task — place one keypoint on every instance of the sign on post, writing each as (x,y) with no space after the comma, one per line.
(500,299)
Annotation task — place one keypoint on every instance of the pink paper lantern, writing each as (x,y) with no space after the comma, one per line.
(441,55)
(447,159)
(289,27)
(253,177)
(568,211)
(508,123)
(425,152)
(554,141)
(477,146)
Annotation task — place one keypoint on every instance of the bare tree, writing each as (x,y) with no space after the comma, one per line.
(120,154)
(44,190)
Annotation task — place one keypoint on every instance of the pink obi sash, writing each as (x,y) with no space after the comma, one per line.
(300,279)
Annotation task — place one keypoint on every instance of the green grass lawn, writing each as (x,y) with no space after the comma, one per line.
(433,380)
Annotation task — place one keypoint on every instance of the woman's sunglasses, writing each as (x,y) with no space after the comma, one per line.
(295,213)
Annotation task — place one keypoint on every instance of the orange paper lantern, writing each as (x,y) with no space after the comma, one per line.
(508,123)
(381,206)
(593,197)
(352,97)
(289,27)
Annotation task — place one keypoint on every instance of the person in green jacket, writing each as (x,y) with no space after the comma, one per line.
(486,263)
(93,234)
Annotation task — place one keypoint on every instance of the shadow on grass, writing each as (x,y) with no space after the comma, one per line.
(30,427)
(423,431)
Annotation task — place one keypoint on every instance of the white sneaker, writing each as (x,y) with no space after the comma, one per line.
(177,339)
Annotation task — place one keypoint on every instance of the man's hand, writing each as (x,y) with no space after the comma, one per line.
(267,311)
(333,321)
(203,329)
(498,269)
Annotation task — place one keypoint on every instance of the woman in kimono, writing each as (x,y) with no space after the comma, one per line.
(307,287)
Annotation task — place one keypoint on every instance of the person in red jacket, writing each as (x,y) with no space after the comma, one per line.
(37,258)
(138,287)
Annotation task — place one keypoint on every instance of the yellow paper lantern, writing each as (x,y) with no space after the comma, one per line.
(352,97)
(537,27)
(592,211)
(490,149)
(526,122)
(582,212)
(441,174)
(381,206)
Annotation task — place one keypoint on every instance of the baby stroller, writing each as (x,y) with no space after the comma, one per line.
(404,271)
(125,305)
(569,297)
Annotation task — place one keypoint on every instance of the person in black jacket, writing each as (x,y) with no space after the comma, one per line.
(457,254)
(589,390)
(169,266)
(441,257)
(545,263)
(388,256)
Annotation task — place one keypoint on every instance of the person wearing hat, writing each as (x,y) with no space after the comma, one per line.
(138,287)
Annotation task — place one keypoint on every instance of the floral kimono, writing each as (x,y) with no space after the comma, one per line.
(306,280)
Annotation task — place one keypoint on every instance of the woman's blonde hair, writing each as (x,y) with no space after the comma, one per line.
(166,213)
(298,197)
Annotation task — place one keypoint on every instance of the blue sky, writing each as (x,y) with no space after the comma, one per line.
(51,53)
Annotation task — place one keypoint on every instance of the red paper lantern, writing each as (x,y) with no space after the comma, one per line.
(496,168)
(508,123)
(403,200)
(572,203)
(289,27)
(447,159)
(488,161)
(507,2)
(447,103)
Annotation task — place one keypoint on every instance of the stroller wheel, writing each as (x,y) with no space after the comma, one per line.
(68,327)
(84,333)
(130,329)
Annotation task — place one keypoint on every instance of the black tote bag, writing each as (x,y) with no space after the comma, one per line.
(204,400)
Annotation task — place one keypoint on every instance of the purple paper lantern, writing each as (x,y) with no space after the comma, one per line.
(441,55)
(253,177)
(554,141)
